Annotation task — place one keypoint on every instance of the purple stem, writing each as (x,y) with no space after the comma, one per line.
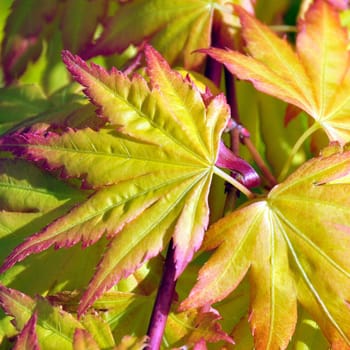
(231,97)
(213,68)
(232,101)
(163,301)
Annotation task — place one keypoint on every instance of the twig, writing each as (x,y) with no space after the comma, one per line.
(270,179)
(213,68)
(236,135)
(232,193)
(163,301)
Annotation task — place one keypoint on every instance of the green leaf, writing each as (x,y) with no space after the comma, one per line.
(164,137)
(289,245)
(242,336)
(125,312)
(4,12)
(258,113)
(35,192)
(174,28)
(79,22)
(307,334)
(269,11)
(55,327)
(29,203)
(24,34)
(27,107)
(99,330)
(20,103)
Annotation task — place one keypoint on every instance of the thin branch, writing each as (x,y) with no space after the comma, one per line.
(163,301)
(231,95)
(213,68)
(236,134)
(232,193)
(270,179)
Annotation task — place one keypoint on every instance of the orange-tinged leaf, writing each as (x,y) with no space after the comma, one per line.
(273,304)
(84,341)
(132,343)
(192,326)
(314,78)
(289,246)
(236,262)
(266,47)
(260,75)
(324,58)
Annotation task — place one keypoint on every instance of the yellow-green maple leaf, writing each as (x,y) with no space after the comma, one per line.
(315,78)
(294,245)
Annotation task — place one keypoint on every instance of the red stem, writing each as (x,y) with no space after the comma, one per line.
(163,301)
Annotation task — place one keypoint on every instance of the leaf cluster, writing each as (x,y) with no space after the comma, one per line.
(188,142)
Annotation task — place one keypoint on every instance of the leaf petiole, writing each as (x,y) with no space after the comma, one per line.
(283,29)
(313,128)
(234,182)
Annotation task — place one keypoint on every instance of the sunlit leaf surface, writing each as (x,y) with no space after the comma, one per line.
(289,245)
(54,327)
(150,169)
(315,77)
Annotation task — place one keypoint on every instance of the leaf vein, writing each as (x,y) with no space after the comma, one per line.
(311,286)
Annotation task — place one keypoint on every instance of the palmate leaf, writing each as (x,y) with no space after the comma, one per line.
(315,78)
(151,169)
(294,245)
(175,28)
